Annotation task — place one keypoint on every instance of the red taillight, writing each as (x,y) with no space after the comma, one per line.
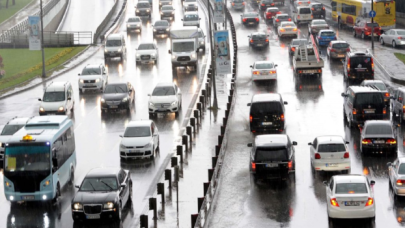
(267,40)
(354,111)
(257,19)
(263,4)
(370,202)
(309,2)
(317,156)
(282,117)
(346,155)
(268,13)
(290,165)
(289,19)
(391,141)
(293,49)
(250,118)
(372,64)
(400,182)
(399,38)
(384,111)
(243,3)
(256,72)
(334,202)
(251,41)
(277,20)
(348,65)
(244,20)
(312,9)
(366,141)
(403,109)
(253,166)
(323,8)
(272,4)
(279,12)
(298,17)
(387,94)
(332,50)
(348,49)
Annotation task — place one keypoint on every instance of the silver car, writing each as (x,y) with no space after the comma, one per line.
(396,172)
(167,12)
(147,53)
(316,25)
(134,24)
(395,37)
(238,4)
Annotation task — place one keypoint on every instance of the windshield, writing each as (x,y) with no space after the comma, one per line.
(190,0)
(143,5)
(183,46)
(264,154)
(146,47)
(327,33)
(340,45)
(372,24)
(259,37)
(299,42)
(116,89)
(163,91)
(54,96)
(351,188)
(379,129)
(266,108)
(319,23)
(134,19)
(99,184)
(91,71)
(238,1)
(331,148)
(161,23)
(264,66)
(401,169)
(167,8)
(137,132)
(11,129)
(113,43)
(191,17)
(27,158)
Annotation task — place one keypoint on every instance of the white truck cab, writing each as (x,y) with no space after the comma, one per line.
(58,99)
(184,47)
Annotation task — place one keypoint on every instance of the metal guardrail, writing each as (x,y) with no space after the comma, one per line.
(107,19)
(23,26)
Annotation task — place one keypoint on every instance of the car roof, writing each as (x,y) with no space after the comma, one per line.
(377,122)
(349,178)
(273,8)
(139,123)
(338,42)
(266,97)
(260,62)
(315,20)
(282,14)
(258,33)
(18,121)
(56,86)
(330,139)
(326,30)
(360,89)
(92,66)
(103,172)
(271,140)
(287,22)
(161,21)
(164,84)
(359,53)
(191,13)
(401,159)
(114,37)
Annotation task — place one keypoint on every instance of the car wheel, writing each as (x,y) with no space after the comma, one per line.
(382,41)
(129,201)
(57,195)
(394,44)
(354,33)
(176,114)
(363,36)
(119,212)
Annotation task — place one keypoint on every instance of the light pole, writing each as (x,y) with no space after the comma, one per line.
(215,104)
(42,41)
(372,25)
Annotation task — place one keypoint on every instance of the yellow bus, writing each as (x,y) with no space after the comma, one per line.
(348,12)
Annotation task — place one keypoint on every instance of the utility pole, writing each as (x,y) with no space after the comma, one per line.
(372,25)
(42,42)
(215,104)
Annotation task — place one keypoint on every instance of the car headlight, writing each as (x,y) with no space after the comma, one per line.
(128,25)
(105,50)
(125,99)
(102,100)
(172,12)
(174,103)
(122,147)
(138,55)
(61,109)
(97,80)
(151,104)
(147,11)
(154,30)
(170,3)
(109,205)
(202,42)
(119,50)
(1,144)
(81,81)
(137,11)
(41,109)
(193,56)
(160,3)
(153,55)
(173,57)
(78,206)
(167,29)
(148,145)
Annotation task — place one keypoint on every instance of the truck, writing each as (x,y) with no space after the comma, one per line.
(184,47)
(306,60)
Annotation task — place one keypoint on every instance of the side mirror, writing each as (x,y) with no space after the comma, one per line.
(389,164)
(149,94)
(347,142)
(79,74)
(123,185)
(69,98)
(372,182)
(309,144)
(179,93)
(344,95)
(130,90)
(285,102)
(294,143)
(251,66)
(276,65)
(250,144)
(182,19)
(249,104)
(325,183)
(170,51)
(77,186)
(39,99)
(121,136)
(199,18)
(104,72)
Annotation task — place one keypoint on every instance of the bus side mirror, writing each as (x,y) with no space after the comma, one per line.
(54,164)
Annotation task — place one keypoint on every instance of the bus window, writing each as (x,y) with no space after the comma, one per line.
(333,6)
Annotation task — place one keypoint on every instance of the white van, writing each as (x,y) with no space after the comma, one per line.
(115,47)
(191,19)
(58,99)
(303,14)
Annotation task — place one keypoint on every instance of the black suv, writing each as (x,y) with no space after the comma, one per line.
(378,136)
(264,4)
(358,66)
(259,40)
(272,157)
(318,10)
(143,9)
(267,113)
(363,103)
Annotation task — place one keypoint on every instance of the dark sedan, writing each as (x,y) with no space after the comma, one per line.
(294,44)
(102,195)
(259,40)
(250,19)
(161,27)
(118,96)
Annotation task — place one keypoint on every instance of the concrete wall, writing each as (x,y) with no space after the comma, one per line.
(54,17)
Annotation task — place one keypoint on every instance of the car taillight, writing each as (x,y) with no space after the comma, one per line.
(354,111)
(399,38)
(277,20)
(348,65)
(387,94)
(250,118)
(251,41)
(400,182)
(372,64)
(272,4)
(323,8)
(243,3)
(312,9)
(233,3)
(268,14)
(290,165)
(298,17)
(263,4)
(346,155)
(384,111)
(256,72)
(267,40)
(282,117)
(332,50)
(317,156)
(289,19)
(391,141)
(309,2)
(244,20)
(403,109)
(272,72)
(365,141)
(334,202)
(253,166)
(370,202)
(312,16)
(257,19)
(279,12)
(348,49)
(293,49)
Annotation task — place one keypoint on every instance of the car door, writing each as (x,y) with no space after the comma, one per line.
(124,193)
(391,36)
(398,102)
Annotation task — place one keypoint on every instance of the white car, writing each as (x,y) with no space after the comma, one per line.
(166,97)
(191,19)
(287,28)
(147,53)
(264,70)
(93,77)
(329,153)
(134,24)
(396,172)
(140,140)
(167,12)
(58,99)
(301,3)
(350,197)
(187,2)
(394,37)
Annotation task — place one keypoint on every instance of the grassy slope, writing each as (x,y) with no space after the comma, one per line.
(11,10)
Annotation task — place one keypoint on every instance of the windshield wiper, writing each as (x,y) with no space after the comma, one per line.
(92,186)
(106,185)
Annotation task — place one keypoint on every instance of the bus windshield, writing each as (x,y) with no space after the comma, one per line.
(27,158)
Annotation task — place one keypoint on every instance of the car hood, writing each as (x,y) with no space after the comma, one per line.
(167,11)
(162,99)
(52,106)
(114,96)
(320,26)
(113,48)
(134,23)
(146,52)
(135,141)
(5,138)
(94,197)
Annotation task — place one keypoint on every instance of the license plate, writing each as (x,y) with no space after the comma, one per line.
(28,197)
(113,106)
(183,63)
(251,23)
(331,164)
(310,71)
(379,141)
(369,111)
(360,69)
(352,203)
(259,45)
(92,216)
(341,56)
(267,123)
(264,73)
(271,165)
(161,31)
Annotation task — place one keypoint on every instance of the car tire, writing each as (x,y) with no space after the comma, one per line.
(57,195)
(382,41)
(394,44)
(253,179)
(156,62)
(151,115)
(354,33)
(176,114)
(363,36)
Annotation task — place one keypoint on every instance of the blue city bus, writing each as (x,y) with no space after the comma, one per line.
(40,159)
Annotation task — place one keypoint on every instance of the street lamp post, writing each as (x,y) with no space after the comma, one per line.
(372,25)
(42,41)
(215,103)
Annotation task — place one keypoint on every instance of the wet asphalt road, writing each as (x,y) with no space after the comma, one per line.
(97,137)
(314,108)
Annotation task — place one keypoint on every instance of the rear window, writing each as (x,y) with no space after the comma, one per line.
(264,154)
(371,24)
(330,33)
(305,11)
(264,66)
(351,188)
(273,10)
(317,6)
(250,15)
(401,32)
(360,61)
(365,99)
(283,17)
(287,24)
(379,129)
(340,45)
(137,132)
(266,107)
(331,148)
(259,37)
(146,47)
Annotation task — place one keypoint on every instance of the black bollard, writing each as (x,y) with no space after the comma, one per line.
(200,202)
(220,138)
(217,150)
(206,186)
(189,132)
(144,221)
(214,161)
(153,206)
(222,130)
(197,116)
(193,220)
(168,176)
(180,153)
(210,174)
(184,141)
(161,191)
(199,106)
